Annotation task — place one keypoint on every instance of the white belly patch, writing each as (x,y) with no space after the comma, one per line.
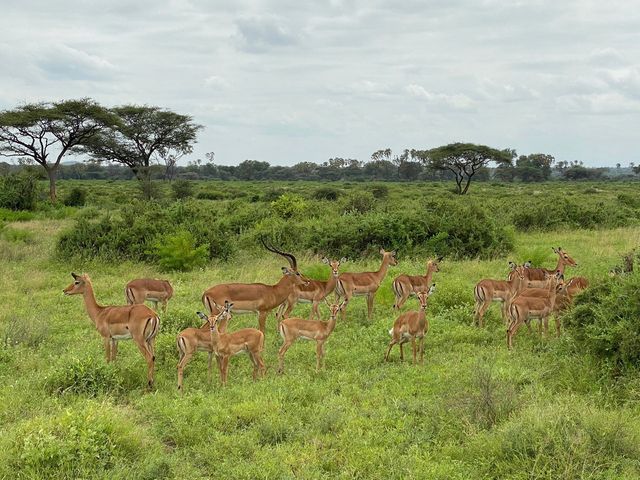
(124,336)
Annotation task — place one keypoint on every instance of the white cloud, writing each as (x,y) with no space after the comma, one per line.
(458,101)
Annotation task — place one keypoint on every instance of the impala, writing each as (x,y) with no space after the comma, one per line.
(294,328)
(406,285)
(141,289)
(565,298)
(116,323)
(256,297)
(192,340)
(365,283)
(225,345)
(314,292)
(523,309)
(536,276)
(411,326)
(488,290)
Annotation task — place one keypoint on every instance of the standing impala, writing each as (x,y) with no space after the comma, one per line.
(565,298)
(488,290)
(141,289)
(536,276)
(411,326)
(256,297)
(293,328)
(116,323)
(225,345)
(365,283)
(314,292)
(192,340)
(524,309)
(406,285)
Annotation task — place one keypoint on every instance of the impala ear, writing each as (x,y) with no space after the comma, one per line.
(285,271)
(382,251)
(343,259)
(325,260)
(74,275)
(439,259)
(202,316)
(512,265)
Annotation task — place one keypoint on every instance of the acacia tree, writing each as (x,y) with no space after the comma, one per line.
(464,160)
(45,132)
(142,137)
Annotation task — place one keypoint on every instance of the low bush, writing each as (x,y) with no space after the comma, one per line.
(84,376)
(182,189)
(76,197)
(289,205)
(18,191)
(326,193)
(179,252)
(359,201)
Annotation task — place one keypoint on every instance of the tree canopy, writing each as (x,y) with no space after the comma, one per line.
(464,160)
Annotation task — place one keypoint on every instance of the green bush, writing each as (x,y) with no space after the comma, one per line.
(182,189)
(76,197)
(16,235)
(289,205)
(326,193)
(179,252)
(83,376)
(359,201)
(380,191)
(210,196)
(18,191)
(604,321)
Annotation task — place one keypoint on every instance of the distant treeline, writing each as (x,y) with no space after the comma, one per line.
(337,169)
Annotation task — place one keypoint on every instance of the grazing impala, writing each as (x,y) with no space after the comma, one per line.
(141,289)
(406,285)
(293,328)
(256,297)
(365,283)
(524,309)
(487,290)
(192,340)
(138,322)
(225,345)
(411,326)
(314,292)
(536,276)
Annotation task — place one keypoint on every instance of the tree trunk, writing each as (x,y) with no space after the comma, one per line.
(52,173)
(143,174)
(466,187)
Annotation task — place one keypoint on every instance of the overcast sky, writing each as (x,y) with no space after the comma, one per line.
(288,81)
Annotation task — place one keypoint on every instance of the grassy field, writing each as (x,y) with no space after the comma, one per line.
(474,410)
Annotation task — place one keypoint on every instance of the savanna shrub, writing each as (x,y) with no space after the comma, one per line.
(326,193)
(76,197)
(84,376)
(18,191)
(179,252)
(210,195)
(379,191)
(182,189)
(359,201)
(604,321)
(289,205)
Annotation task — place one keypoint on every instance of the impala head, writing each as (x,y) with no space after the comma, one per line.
(528,264)
(334,308)
(297,277)
(389,256)
(423,297)
(78,285)
(334,264)
(565,257)
(434,265)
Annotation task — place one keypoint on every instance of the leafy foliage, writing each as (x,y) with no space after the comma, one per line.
(76,197)
(18,191)
(179,252)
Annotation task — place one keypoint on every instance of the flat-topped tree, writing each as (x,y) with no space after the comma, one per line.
(143,136)
(464,160)
(45,132)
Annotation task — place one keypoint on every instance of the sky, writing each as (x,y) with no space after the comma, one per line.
(286,81)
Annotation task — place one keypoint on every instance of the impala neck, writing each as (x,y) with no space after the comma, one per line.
(331,324)
(90,303)
(560,265)
(429,274)
(383,270)
(330,284)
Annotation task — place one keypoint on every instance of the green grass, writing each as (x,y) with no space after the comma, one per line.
(474,410)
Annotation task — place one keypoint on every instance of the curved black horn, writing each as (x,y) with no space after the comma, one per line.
(288,256)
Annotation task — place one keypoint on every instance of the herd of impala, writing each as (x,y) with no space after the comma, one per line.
(528,293)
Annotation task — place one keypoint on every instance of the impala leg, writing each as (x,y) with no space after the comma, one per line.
(422,351)
(280,312)
(319,355)
(224,369)
(315,310)
(262,320)
(401,351)
(513,328)
(209,367)
(155,305)
(114,349)
(186,358)
(262,370)
(557,320)
(546,326)
(148,356)
(344,305)
(483,309)
(283,349)
(107,348)
(386,355)
(369,305)
(164,306)
(413,346)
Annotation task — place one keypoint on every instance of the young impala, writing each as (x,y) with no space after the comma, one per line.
(406,285)
(225,345)
(141,289)
(565,298)
(411,326)
(523,309)
(116,323)
(294,328)
(537,276)
(365,283)
(488,290)
(256,297)
(314,292)
(192,340)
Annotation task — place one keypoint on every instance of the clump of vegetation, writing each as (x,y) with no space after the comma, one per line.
(208,195)
(179,252)
(380,191)
(289,205)
(76,197)
(182,189)
(17,330)
(604,321)
(16,235)
(18,191)
(326,193)
(83,376)
(359,202)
